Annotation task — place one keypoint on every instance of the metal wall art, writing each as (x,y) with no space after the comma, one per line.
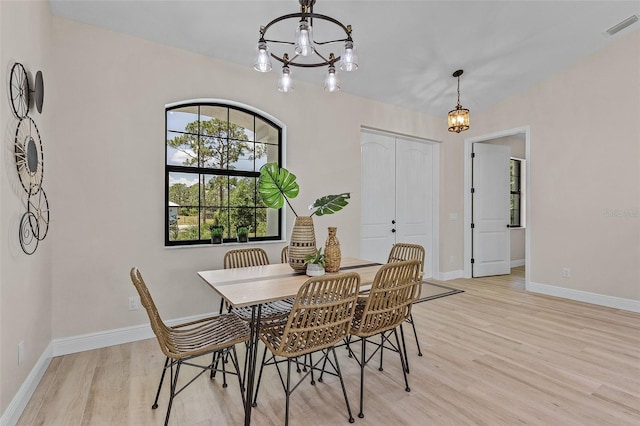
(29,157)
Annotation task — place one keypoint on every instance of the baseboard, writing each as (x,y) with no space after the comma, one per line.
(516,263)
(103,339)
(13,412)
(450,275)
(584,296)
(74,344)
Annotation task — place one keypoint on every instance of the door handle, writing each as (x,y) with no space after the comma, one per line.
(393,222)
(393,230)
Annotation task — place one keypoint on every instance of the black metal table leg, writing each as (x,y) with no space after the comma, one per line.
(252,354)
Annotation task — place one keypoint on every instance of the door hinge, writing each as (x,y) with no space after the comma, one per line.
(473,225)
(473,260)
(473,155)
(473,190)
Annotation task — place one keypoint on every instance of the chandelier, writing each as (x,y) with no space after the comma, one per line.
(306,49)
(458,117)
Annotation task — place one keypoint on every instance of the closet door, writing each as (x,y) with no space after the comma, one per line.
(378,187)
(414,197)
(397,196)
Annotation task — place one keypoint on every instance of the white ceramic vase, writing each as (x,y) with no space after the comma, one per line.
(314,270)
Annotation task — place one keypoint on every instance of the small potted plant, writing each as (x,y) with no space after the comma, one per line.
(315,263)
(217,232)
(243,234)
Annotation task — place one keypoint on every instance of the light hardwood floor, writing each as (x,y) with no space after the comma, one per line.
(493,355)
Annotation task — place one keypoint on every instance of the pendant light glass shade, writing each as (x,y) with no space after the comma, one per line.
(349,59)
(263,58)
(304,39)
(458,119)
(331,83)
(285,84)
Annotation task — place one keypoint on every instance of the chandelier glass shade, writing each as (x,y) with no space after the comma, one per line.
(458,117)
(307,51)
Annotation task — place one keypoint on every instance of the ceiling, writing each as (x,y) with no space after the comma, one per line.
(407,50)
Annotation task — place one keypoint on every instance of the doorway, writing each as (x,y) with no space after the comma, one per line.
(497,138)
(399,184)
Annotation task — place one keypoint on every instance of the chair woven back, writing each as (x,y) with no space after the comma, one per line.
(284,255)
(404,251)
(162,332)
(321,316)
(193,338)
(240,258)
(395,288)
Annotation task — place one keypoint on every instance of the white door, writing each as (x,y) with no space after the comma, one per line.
(378,196)
(397,196)
(414,201)
(490,210)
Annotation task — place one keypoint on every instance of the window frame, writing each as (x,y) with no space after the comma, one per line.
(209,171)
(519,192)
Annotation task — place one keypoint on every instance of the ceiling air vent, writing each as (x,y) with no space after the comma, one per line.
(621,25)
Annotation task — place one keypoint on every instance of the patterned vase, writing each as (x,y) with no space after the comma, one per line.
(332,255)
(303,243)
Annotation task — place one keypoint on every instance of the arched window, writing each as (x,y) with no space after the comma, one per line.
(214,151)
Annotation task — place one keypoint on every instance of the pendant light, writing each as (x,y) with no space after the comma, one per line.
(458,117)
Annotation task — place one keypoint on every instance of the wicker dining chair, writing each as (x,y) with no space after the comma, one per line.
(395,288)
(240,258)
(398,253)
(321,317)
(284,255)
(181,344)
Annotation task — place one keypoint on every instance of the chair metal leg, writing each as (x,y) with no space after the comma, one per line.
(174,384)
(404,349)
(404,367)
(362,363)
(236,365)
(415,333)
(381,351)
(313,382)
(164,370)
(224,356)
(344,390)
(286,410)
(255,394)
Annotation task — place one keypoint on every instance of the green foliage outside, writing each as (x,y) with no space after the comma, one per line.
(216,200)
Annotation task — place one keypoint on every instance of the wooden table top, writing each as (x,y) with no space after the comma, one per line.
(260,284)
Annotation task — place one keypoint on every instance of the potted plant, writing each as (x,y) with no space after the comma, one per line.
(217,232)
(276,186)
(243,234)
(315,263)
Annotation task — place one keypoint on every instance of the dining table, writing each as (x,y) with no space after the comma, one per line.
(255,285)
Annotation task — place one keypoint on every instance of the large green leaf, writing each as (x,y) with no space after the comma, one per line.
(330,204)
(276,184)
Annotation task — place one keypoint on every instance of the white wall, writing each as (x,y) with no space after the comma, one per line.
(585,172)
(25,281)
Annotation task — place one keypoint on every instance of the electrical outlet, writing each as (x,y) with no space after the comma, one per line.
(20,352)
(134,303)
(566,272)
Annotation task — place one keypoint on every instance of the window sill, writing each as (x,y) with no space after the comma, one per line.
(233,244)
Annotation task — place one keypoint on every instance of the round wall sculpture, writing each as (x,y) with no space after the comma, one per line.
(29,157)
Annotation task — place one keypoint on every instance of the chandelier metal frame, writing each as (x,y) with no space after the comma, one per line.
(306,13)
